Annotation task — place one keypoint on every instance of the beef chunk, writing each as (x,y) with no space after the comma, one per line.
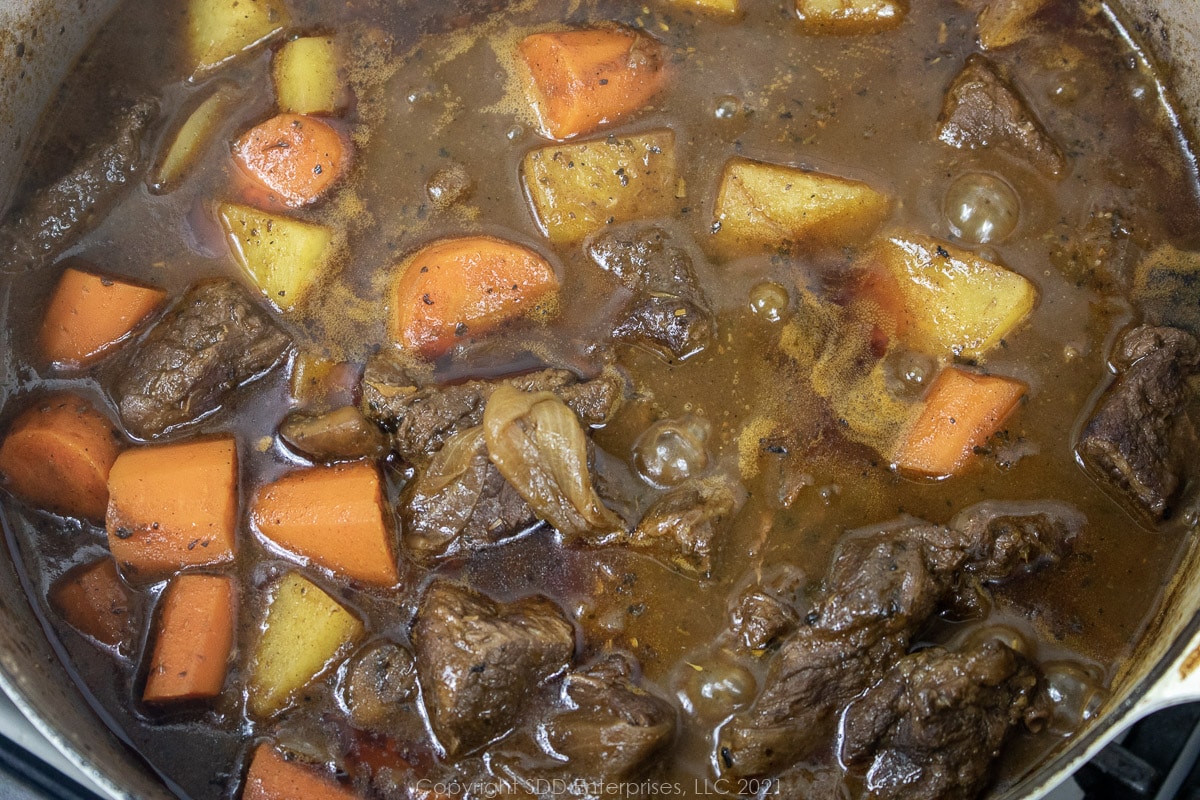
(380,685)
(767,610)
(683,526)
(460,501)
(1136,442)
(667,310)
(343,434)
(59,214)
(421,419)
(210,342)
(479,661)
(1010,539)
(935,723)
(606,725)
(982,109)
(882,586)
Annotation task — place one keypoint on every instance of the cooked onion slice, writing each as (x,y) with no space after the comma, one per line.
(538,445)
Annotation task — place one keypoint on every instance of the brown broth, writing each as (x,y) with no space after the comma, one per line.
(862,107)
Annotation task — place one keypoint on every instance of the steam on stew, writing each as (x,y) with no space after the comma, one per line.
(703,397)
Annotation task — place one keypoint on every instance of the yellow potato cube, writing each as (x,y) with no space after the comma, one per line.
(577,189)
(1005,22)
(194,135)
(726,8)
(306,76)
(771,207)
(283,256)
(303,635)
(218,30)
(948,300)
(844,17)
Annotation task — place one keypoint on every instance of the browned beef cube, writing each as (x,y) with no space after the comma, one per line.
(479,662)
(460,502)
(936,722)
(213,340)
(982,109)
(608,727)
(1138,438)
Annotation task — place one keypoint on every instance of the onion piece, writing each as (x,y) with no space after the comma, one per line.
(537,443)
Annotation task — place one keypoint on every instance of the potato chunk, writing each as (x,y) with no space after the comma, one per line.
(1005,22)
(947,300)
(193,136)
(770,207)
(282,256)
(304,633)
(306,77)
(727,8)
(843,17)
(218,30)
(577,189)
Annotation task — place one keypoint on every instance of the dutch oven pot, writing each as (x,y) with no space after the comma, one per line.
(40,40)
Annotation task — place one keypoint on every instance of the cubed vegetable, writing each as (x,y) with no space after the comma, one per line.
(962,410)
(58,455)
(728,8)
(577,189)
(306,76)
(582,79)
(192,138)
(89,315)
(468,286)
(193,639)
(845,17)
(305,632)
(94,601)
(771,207)
(284,257)
(173,506)
(947,300)
(273,777)
(296,159)
(334,516)
(218,30)
(1005,22)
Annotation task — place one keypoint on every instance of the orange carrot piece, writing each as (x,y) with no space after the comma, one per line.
(94,601)
(58,454)
(89,315)
(173,506)
(583,79)
(333,516)
(467,286)
(297,158)
(273,777)
(962,411)
(193,639)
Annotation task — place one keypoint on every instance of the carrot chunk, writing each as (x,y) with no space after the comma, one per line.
(89,315)
(94,601)
(467,286)
(193,639)
(58,454)
(583,79)
(295,157)
(334,516)
(273,777)
(962,411)
(173,506)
